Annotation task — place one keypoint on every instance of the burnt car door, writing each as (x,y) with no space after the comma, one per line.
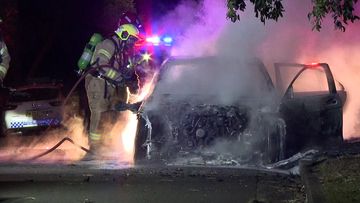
(311,105)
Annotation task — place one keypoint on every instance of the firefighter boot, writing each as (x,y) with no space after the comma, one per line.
(93,151)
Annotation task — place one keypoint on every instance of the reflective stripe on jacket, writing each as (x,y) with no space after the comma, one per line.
(104,55)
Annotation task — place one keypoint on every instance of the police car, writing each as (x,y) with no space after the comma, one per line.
(32,107)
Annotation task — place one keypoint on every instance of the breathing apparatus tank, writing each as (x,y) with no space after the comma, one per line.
(88,52)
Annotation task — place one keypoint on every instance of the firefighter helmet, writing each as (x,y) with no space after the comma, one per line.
(126,31)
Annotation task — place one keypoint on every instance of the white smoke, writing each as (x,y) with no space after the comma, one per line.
(196,27)
(291,39)
(205,31)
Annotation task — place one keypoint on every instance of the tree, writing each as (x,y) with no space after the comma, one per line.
(111,11)
(342,11)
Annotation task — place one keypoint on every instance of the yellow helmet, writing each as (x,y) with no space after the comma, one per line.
(126,30)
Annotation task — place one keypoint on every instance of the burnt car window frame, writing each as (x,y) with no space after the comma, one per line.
(286,92)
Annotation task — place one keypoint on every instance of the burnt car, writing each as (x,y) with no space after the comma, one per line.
(218,106)
(32,107)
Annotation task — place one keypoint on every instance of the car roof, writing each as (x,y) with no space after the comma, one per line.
(173,60)
(39,86)
(181,60)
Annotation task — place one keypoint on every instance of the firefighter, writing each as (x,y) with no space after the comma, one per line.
(4,59)
(107,85)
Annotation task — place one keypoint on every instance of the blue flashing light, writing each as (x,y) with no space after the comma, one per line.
(167,40)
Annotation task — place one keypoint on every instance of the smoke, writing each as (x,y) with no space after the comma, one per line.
(232,71)
(291,39)
(199,30)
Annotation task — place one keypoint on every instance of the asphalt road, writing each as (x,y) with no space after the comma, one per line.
(104,182)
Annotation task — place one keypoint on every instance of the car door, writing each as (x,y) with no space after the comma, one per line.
(311,105)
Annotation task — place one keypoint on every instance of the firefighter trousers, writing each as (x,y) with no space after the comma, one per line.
(101,96)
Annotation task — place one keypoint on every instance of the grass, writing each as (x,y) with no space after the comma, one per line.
(340,179)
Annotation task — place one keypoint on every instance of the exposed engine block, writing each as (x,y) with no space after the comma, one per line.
(200,125)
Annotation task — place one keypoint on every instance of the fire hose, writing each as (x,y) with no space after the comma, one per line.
(56,146)
(119,107)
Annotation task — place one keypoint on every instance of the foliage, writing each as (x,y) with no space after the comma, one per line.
(114,7)
(342,11)
(111,11)
(9,16)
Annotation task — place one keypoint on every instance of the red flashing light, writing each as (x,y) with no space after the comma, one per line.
(314,64)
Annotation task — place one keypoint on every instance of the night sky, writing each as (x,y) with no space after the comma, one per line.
(45,38)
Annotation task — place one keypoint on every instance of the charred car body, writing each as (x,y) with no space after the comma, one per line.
(216,105)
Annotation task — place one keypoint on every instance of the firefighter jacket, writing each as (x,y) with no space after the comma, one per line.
(119,72)
(4,59)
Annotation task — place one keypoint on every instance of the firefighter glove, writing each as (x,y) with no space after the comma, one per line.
(134,107)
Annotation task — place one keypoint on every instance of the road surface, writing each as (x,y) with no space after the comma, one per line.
(108,182)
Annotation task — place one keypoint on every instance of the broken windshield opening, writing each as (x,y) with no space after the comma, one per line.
(225,79)
(34,95)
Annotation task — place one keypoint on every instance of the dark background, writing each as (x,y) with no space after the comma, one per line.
(46,37)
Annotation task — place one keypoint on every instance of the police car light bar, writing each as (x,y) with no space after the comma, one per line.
(156,40)
(153,40)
